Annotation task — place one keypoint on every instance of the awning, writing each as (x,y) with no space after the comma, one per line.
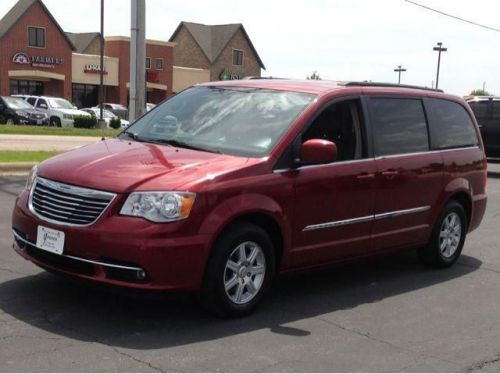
(153,86)
(35,75)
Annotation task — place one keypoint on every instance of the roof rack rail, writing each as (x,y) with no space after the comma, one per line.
(381,84)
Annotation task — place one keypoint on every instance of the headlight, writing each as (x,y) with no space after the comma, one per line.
(159,206)
(67,116)
(21,113)
(31,178)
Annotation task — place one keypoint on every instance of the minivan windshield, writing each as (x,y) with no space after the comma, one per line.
(233,120)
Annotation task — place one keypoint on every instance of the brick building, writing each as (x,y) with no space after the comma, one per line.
(35,53)
(225,50)
(38,57)
(159,68)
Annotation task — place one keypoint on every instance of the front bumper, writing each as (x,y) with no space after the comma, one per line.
(115,250)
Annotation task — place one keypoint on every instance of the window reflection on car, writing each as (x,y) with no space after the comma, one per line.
(239,121)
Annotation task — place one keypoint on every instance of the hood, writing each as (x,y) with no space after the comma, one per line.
(74,112)
(122,166)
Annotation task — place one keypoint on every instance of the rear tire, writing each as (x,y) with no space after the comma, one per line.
(447,239)
(239,271)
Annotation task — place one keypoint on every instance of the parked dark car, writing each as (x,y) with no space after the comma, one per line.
(227,184)
(487,112)
(16,111)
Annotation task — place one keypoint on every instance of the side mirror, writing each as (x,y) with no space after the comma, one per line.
(318,151)
(43,106)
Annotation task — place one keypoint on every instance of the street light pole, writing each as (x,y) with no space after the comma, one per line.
(102,124)
(137,60)
(440,49)
(399,70)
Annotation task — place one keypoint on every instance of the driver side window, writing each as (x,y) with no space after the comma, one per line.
(340,123)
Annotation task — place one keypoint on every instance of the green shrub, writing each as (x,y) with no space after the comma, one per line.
(84,122)
(115,123)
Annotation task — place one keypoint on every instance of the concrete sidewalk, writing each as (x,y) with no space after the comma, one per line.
(44,142)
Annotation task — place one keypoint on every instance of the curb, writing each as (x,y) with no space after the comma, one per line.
(7,168)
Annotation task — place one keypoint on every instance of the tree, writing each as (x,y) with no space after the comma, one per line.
(314,76)
(479,92)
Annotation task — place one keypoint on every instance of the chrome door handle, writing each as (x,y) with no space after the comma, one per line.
(365,177)
(390,174)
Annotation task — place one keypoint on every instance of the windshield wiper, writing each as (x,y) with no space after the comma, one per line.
(181,144)
(133,135)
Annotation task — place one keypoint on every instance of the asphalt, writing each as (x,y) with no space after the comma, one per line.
(383,315)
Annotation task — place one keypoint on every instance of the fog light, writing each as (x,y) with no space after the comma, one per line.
(141,274)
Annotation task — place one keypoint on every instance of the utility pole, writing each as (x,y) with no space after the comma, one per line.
(440,49)
(137,102)
(102,123)
(399,70)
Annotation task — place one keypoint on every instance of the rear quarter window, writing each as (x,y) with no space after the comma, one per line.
(399,126)
(451,125)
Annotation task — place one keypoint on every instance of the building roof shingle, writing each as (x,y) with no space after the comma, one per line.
(82,40)
(212,39)
(18,10)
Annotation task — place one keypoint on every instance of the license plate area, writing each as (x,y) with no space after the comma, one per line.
(50,240)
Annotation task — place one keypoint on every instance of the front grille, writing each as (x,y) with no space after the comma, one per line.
(66,204)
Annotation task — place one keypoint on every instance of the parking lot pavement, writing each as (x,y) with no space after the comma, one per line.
(388,314)
(43,142)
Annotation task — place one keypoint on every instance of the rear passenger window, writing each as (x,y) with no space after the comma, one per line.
(451,126)
(399,126)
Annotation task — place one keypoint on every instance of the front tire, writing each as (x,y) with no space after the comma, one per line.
(239,271)
(447,238)
(55,122)
(10,121)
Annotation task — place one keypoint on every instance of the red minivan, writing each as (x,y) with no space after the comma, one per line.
(227,184)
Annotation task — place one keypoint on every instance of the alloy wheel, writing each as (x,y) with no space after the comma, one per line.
(244,272)
(450,235)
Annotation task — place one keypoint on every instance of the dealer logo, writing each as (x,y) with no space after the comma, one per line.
(21,58)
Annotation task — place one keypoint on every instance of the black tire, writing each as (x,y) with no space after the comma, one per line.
(213,295)
(432,254)
(10,121)
(55,122)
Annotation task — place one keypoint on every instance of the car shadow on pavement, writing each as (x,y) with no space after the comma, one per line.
(84,313)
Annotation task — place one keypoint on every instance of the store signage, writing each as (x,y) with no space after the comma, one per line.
(94,69)
(225,75)
(21,58)
(37,61)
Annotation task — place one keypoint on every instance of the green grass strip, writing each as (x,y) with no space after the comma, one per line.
(26,156)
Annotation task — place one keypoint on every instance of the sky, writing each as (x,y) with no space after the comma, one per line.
(340,39)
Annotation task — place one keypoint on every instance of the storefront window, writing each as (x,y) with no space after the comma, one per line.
(24,87)
(85,95)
